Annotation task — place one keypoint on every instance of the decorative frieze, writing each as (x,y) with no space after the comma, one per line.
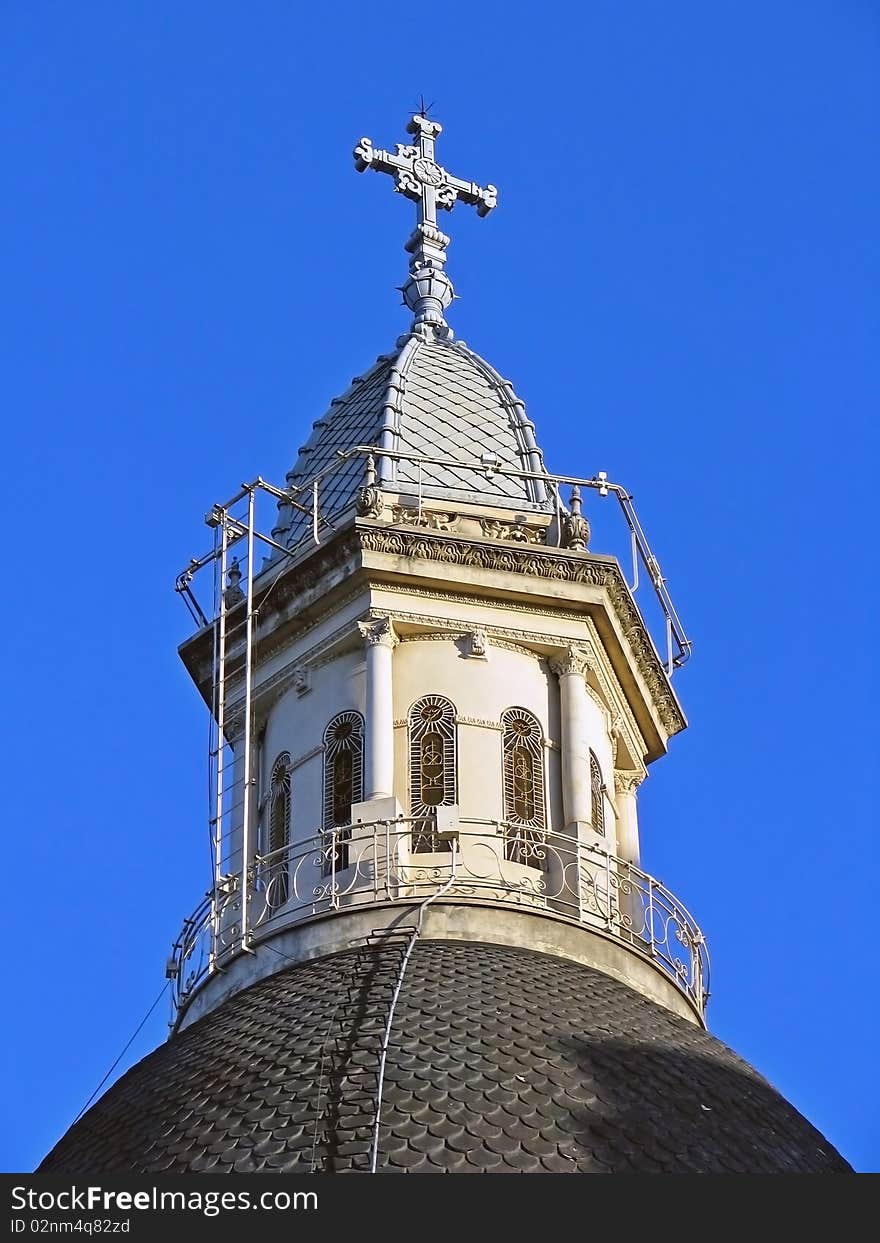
(434,520)
(516,532)
(452,630)
(546,565)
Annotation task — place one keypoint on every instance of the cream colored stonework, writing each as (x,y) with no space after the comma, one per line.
(484,611)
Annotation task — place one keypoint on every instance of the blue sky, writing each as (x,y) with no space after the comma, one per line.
(681,280)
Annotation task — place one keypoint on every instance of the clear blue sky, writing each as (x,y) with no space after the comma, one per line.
(681,280)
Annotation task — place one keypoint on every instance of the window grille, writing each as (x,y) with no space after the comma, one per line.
(343,782)
(432,767)
(278,879)
(523,768)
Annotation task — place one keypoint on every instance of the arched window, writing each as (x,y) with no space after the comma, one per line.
(597,795)
(523,749)
(278,880)
(343,781)
(431,767)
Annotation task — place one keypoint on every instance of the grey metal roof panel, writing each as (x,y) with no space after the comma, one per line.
(434,398)
(500,1059)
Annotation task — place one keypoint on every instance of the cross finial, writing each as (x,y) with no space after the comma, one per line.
(428,291)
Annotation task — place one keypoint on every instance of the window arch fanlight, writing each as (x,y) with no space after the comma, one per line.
(278,879)
(431,768)
(343,782)
(597,795)
(523,767)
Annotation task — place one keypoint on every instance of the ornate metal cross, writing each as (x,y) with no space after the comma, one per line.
(418,176)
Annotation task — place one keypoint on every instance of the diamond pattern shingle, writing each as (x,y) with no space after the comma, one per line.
(442,401)
(500,1060)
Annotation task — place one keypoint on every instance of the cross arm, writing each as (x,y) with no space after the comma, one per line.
(367,156)
(484,199)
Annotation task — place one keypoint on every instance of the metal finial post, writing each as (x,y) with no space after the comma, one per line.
(428,291)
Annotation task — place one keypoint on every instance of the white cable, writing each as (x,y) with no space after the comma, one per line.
(387,1037)
(128,1045)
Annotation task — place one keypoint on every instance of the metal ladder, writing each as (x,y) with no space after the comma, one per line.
(349,1084)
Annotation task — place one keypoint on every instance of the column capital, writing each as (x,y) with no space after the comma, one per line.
(573,659)
(627,782)
(378,632)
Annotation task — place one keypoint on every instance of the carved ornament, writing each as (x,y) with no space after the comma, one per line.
(479,644)
(626,782)
(430,518)
(378,633)
(516,532)
(575,659)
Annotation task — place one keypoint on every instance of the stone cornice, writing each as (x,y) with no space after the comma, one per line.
(270,645)
(537,563)
(268,690)
(300,577)
(305,579)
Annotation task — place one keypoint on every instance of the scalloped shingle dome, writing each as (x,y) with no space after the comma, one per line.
(433,397)
(501,1059)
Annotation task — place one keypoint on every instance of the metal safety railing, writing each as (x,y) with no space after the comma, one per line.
(497,863)
(306,499)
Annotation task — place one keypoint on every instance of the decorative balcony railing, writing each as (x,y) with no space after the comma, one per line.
(495,862)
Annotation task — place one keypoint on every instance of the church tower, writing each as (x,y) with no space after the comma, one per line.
(428,943)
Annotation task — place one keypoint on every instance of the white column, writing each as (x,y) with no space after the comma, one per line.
(576,803)
(380,641)
(625,786)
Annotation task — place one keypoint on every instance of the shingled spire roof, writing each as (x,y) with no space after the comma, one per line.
(432,398)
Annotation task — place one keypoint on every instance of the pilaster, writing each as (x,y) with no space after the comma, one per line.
(380,641)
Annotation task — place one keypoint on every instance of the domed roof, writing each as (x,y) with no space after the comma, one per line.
(500,1059)
(434,398)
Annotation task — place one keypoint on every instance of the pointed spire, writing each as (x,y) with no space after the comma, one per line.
(428,290)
